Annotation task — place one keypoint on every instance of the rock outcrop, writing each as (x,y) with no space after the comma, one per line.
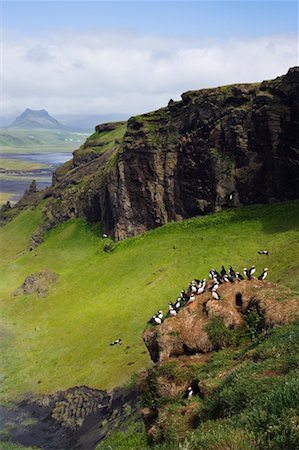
(187,334)
(216,148)
(38,282)
(183,345)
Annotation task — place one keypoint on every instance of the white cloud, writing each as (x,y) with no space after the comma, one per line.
(120,71)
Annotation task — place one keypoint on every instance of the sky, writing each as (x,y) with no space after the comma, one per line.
(101,57)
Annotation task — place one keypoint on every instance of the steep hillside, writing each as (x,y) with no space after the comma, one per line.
(216,148)
(65,301)
(103,292)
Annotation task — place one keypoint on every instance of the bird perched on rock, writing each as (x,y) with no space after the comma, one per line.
(191,299)
(264,274)
(239,276)
(157,318)
(215,295)
(223,271)
(251,271)
(177,304)
(184,295)
(172,311)
(232,272)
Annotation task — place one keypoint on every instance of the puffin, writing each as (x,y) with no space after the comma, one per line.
(263,252)
(239,276)
(177,304)
(188,393)
(215,295)
(264,274)
(247,273)
(223,271)
(232,272)
(117,341)
(251,270)
(201,289)
(172,311)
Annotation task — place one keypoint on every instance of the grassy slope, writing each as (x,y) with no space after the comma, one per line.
(252,402)
(63,340)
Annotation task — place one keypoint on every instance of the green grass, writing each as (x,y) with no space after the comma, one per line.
(17,140)
(100,142)
(15,164)
(63,339)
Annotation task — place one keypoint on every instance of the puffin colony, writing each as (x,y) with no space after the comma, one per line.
(197,287)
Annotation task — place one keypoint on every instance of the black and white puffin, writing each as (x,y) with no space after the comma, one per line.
(117,341)
(188,393)
(215,295)
(177,304)
(247,273)
(232,272)
(264,274)
(172,311)
(239,276)
(251,271)
(223,271)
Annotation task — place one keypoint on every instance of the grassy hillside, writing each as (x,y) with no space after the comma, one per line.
(17,140)
(63,340)
(252,402)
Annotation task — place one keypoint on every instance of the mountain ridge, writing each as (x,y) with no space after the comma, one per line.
(30,118)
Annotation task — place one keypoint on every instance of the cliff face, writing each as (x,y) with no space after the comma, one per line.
(216,148)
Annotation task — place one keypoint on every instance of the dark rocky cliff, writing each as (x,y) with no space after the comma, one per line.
(187,159)
(216,148)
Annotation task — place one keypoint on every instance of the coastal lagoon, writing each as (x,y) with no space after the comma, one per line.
(14,182)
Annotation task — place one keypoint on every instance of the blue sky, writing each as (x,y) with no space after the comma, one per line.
(119,56)
(207,19)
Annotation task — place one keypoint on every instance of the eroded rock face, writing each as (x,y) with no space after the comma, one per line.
(186,333)
(216,148)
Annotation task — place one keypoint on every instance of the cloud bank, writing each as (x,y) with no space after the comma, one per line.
(108,71)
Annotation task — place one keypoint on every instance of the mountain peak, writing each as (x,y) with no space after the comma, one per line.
(36,119)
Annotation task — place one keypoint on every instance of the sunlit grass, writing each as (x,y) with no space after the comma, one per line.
(63,340)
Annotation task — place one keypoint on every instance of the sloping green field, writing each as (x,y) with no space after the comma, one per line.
(63,340)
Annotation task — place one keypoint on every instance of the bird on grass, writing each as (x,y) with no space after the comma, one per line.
(263,252)
(188,393)
(117,341)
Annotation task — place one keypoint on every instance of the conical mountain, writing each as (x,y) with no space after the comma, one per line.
(36,119)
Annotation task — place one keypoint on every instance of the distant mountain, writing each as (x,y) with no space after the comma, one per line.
(36,119)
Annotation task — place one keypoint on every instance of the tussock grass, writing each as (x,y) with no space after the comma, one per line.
(63,339)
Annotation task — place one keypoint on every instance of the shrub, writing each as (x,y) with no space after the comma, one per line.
(219,335)
(255,321)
